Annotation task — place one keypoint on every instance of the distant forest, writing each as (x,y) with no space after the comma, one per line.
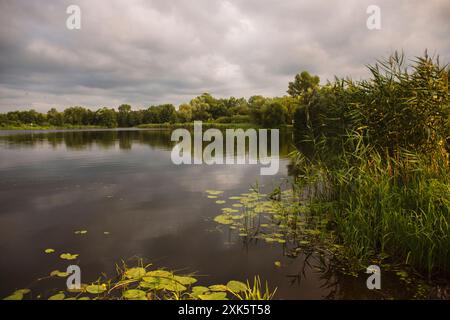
(264,111)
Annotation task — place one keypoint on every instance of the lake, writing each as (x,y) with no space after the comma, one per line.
(123,189)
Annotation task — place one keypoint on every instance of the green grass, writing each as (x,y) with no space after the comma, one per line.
(392,206)
(397,207)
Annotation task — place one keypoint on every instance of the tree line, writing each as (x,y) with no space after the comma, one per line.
(263,111)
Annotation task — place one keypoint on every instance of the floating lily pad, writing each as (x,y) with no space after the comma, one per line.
(236,286)
(96,288)
(135,294)
(213,296)
(277,264)
(68,256)
(198,290)
(135,273)
(214,192)
(223,219)
(18,294)
(58,296)
(218,287)
(229,210)
(57,273)
(158,283)
(49,250)
(185,280)
(159,273)
(220,201)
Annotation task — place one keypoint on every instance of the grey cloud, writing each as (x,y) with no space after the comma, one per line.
(145,52)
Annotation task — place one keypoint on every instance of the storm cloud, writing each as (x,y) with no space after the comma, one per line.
(147,52)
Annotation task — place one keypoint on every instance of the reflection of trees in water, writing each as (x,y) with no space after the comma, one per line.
(81,140)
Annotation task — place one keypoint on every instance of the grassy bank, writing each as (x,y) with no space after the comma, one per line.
(375,163)
(205,125)
(170,126)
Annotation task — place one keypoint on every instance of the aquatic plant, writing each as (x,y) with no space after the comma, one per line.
(141,282)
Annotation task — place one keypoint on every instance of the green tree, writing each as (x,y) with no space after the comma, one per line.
(184,113)
(123,116)
(106,117)
(55,118)
(303,84)
(274,114)
(167,113)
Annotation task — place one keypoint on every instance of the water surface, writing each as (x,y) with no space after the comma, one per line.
(123,182)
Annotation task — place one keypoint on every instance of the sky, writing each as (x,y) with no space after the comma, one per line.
(146,52)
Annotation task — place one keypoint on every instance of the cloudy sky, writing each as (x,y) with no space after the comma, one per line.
(145,52)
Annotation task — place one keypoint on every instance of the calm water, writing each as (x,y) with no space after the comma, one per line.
(124,183)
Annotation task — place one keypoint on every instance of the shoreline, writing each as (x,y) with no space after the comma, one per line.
(151,126)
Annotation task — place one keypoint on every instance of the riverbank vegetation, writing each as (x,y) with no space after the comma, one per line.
(257,111)
(374,155)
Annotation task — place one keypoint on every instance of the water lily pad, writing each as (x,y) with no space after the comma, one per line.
(277,264)
(223,219)
(218,287)
(49,250)
(96,288)
(199,290)
(68,256)
(14,296)
(237,205)
(158,283)
(81,232)
(236,286)
(58,296)
(148,284)
(185,280)
(229,210)
(135,273)
(18,294)
(212,197)
(135,294)
(213,296)
(214,192)
(23,291)
(57,273)
(220,201)
(159,273)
